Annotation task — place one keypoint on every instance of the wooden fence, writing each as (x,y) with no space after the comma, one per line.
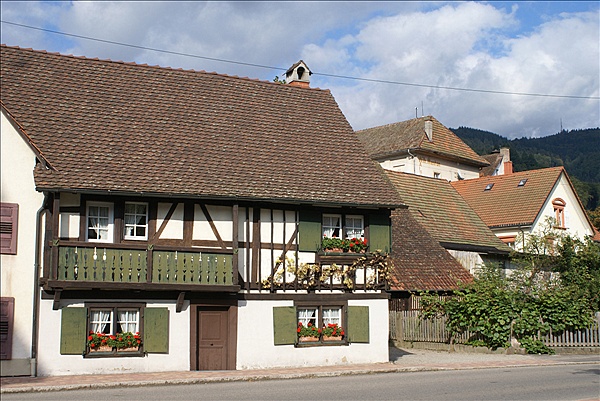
(409,326)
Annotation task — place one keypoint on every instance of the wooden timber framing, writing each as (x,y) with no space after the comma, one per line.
(282,241)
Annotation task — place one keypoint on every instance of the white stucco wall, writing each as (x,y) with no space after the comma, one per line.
(52,363)
(174,227)
(255,348)
(575,218)
(428,166)
(18,271)
(576,222)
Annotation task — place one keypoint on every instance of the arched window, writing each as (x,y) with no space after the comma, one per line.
(559,212)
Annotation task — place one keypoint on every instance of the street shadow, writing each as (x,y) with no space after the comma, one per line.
(588,372)
(397,353)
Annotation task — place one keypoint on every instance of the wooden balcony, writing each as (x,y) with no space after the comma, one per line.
(114,266)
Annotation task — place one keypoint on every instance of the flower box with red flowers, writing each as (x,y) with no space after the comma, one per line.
(349,245)
(332,332)
(121,342)
(308,333)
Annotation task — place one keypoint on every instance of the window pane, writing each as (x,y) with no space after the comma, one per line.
(332,316)
(128,321)
(103,212)
(101,321)
(129,219)
(140,231)
(140,209)
(129,208)
(306,316)
(332,226)
(354,227)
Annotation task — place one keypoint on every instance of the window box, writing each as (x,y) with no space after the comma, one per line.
(348,245)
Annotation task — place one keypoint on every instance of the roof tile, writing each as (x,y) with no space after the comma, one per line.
(124,127)
(519,205)
(387,140)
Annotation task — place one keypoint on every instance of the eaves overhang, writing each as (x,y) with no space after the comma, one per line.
(226,198)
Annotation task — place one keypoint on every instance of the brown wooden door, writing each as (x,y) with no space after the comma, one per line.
(213,329)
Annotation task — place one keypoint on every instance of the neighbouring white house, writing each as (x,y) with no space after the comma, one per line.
(516,204)
(20,236)
(422,146)
(182,219)
(420,157)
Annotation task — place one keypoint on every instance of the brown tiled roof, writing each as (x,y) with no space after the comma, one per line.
(494,159)
(129,128)
(507,203)
(391,139)
(420,263)
(437,206)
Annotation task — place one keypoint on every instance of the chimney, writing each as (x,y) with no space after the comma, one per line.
(429,128)
(508,167)
(298,75)
(505,152)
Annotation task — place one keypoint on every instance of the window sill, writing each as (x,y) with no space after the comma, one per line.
(321,343)
(114,354)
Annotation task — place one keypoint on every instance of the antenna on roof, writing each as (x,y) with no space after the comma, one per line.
(416,112)
(422,109)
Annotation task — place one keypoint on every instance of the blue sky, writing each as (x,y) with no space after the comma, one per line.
(545,48)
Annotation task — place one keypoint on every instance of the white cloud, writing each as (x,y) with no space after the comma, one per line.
(465,45)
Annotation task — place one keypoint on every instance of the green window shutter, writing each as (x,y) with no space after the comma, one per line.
(358,324)
(156,330)
(379,232)
(73,331)
(284,325)
(309,231)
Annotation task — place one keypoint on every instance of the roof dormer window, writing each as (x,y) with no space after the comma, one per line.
(522,182)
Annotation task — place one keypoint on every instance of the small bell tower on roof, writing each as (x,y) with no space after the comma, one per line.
(298,75)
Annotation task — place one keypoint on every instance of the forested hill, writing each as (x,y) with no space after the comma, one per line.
(577,150)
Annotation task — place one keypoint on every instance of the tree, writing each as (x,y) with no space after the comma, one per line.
(555,286)
(595,217)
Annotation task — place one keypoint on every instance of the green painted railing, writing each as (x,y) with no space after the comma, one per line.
(100,264)
(192,268)
(131,266)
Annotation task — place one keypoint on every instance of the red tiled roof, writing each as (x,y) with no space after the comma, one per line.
(387,140)
(507,203)
(420,263)
(436,205)
(129,128)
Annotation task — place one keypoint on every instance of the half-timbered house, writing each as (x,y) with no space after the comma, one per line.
(197,221)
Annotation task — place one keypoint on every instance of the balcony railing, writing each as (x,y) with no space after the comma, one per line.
(111,265)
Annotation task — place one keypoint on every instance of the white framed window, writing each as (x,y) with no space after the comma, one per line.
(136,221)
(332,225)
(114,320)
(559,212)
(100,222)
(355,226)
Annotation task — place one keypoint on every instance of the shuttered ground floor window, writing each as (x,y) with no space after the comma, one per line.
(7,308)
(114,330)
(332,321)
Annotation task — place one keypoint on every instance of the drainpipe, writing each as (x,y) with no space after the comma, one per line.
(36,294)
(414,161)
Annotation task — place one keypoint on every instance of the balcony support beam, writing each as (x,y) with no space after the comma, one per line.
(179,305)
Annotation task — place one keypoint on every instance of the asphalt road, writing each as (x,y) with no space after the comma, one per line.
(568,382)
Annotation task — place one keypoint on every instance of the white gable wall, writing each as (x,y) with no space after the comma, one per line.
(576,222)
(429,166)
(18,271)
